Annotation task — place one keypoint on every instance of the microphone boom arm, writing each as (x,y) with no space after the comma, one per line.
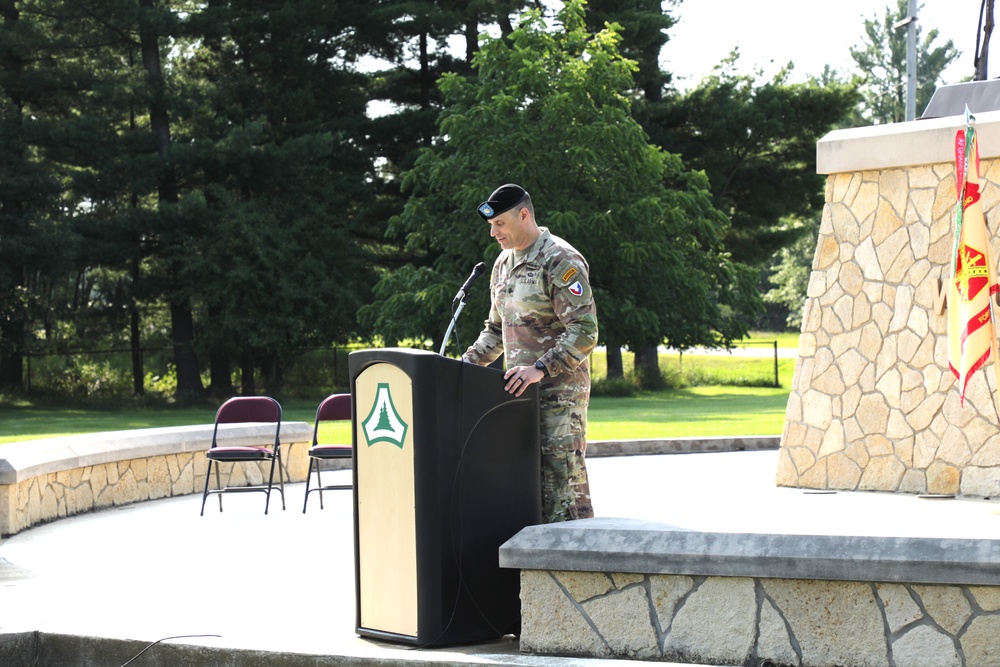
(461,298)
(454,318)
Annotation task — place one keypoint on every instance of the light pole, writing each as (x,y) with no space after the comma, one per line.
(983,52)
(910,23)
(911,63)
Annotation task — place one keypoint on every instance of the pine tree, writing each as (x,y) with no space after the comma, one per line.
(281,179)
(36,244)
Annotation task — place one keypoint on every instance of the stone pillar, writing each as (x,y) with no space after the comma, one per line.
(873,404)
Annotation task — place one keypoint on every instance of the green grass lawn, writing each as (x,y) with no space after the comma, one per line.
(713,410)
(24,420)
(675,413)
(705,409)
(686,413)
(786,339)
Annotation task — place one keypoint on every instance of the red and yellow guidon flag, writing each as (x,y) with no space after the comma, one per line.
(971,334)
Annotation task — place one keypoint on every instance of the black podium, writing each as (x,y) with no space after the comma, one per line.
(446,470)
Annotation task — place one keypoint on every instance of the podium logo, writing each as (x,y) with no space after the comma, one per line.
(383,423)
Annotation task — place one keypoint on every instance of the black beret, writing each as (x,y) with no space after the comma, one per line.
(503,199)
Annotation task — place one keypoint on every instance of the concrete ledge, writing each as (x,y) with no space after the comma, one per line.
(597,448)
(23,460)
(52,649)
(44,649)
(636,546)
(897,145)
(42,480)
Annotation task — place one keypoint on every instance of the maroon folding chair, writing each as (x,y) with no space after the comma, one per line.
(336,407)
(244,410)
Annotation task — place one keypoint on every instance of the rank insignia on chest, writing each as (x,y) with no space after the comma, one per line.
(576,289)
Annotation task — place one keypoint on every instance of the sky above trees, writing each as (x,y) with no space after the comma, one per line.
(770,33)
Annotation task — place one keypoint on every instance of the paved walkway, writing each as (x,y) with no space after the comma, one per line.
(156,569)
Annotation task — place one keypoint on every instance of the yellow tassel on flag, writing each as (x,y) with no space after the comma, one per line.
(971,328)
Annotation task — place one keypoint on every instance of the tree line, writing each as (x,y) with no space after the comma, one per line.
(241,180)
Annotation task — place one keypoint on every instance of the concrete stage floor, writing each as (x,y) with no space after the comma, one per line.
(144,572)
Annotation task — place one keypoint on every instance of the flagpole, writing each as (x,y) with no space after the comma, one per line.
(994,347)
(972,332)
(996,361)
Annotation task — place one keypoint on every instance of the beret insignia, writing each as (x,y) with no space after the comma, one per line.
(502,200)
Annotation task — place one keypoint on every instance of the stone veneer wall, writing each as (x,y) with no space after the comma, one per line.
(84,488)
(61,494)
(748,621)
(873,404)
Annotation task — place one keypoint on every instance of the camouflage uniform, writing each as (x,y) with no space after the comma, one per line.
(543,309)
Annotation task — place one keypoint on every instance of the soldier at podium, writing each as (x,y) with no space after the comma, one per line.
(543,319)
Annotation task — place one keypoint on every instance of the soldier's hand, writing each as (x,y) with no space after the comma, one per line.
(519,377)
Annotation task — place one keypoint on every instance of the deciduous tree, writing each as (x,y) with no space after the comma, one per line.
(881,60)
(550,109)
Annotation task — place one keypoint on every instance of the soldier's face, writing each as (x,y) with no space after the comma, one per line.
(511,230)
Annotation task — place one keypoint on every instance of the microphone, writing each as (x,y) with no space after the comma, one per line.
(463,293)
